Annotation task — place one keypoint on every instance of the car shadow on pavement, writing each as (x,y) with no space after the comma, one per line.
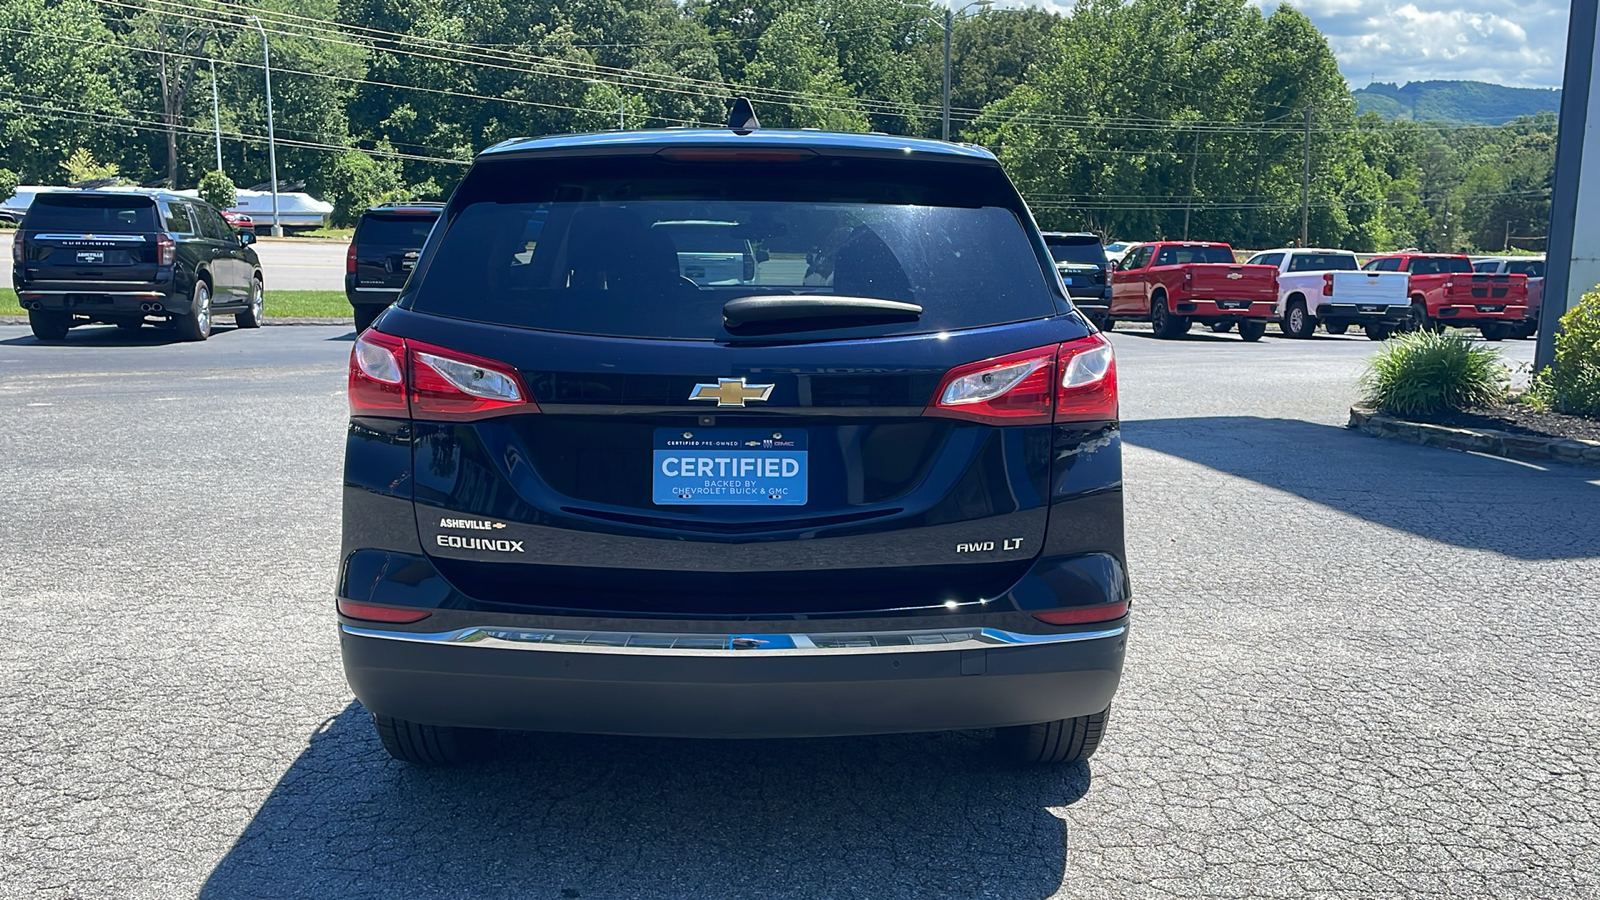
(1443,495)
(100,336)
(930,815)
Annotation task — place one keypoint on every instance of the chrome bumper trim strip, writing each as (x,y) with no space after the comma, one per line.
(378,290)
(663,644)
(92,293)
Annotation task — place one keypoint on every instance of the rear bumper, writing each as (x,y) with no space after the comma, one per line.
(495,678)
(87,298)
(1223,308)
(368,294)
(1363,312)
(1490,311)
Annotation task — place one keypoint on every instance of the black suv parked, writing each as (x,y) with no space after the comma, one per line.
(1081,260)
(874,487)
(124,257)
(382,253)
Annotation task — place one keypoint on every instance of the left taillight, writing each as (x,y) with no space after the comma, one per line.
(1071,382)
(166,250)
(1327,284)
(18,253)
(397,378)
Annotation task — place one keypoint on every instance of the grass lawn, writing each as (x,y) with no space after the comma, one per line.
(279,304)
(328,233)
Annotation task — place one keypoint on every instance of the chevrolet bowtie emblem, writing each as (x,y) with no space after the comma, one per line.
(1234,276)
(731,392)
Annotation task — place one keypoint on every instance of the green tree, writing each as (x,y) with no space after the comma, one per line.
(55,71)
(218,190)
(355,181)
(80,167)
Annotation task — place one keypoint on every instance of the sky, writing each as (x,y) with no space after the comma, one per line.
(1516,42)
(1522,43)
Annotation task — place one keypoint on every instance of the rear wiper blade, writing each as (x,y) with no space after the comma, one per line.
(748,310)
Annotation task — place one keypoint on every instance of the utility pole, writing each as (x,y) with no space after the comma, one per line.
(949,25)
(1305,187)
(950,13)
(1194,161)
(216,115)
(272,141)
(621,126)
(1506,247)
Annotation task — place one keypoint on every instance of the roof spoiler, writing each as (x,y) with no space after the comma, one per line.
(742,118)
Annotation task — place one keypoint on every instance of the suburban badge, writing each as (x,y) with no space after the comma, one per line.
(731,392)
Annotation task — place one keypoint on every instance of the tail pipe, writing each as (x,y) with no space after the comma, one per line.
(150,307)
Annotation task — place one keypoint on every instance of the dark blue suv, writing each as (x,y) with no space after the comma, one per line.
(865,478)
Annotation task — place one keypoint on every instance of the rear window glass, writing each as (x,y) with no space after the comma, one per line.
(642,247)
(1422,265)
(90,213)
(1085,251)
(1322,262)
(1533,268)
(1182,256)
(408,230)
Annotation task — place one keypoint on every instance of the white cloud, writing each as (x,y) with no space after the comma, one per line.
(1522,43)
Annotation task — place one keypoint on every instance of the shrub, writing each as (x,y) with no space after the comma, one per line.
(1424,372)
(355,181)
(217,189)
(1572,385)
(8,183)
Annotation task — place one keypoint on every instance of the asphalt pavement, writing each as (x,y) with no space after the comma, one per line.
(286,265)
(1359,668)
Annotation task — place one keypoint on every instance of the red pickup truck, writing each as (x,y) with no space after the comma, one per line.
(1173,284)
(1445,291)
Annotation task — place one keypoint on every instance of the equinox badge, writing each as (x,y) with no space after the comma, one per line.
(731,392)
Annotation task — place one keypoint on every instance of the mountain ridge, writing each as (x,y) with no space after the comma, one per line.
(1459,102)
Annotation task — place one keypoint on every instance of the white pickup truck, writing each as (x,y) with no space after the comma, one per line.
(1328,286)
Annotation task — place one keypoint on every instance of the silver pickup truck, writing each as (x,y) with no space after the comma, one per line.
(1329,287)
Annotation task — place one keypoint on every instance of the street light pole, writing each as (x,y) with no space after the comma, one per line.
(216,115)
(272,140)
(950,14)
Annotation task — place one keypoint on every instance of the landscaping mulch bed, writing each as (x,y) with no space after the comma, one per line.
(1518,419)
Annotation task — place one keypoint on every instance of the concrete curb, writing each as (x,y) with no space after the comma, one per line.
(271,320)
(1495,443)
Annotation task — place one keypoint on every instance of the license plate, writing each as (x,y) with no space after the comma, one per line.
(1232,304)
(729,467)
(91,256)
(1490,308)
(1370,309)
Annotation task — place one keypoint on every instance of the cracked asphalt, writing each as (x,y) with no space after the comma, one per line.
(1359,669)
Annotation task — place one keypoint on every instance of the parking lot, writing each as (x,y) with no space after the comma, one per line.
(1358,668)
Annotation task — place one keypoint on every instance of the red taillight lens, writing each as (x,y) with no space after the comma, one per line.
(166,250)
(17,253)
(373,613)
(1087,386)
(396,378)
(446,384)
(377,376)
(1327,284)
(1014,389)
(1083,615)
(350,260)
(1071,382)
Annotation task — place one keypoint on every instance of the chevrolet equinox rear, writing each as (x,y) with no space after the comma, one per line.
(873,487)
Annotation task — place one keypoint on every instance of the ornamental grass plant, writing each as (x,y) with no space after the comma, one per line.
(1423,373)
(1572,385)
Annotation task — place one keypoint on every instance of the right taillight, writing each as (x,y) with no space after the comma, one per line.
(397,378)
(1071,382)
(1086,389)
(350,259)
(166,250)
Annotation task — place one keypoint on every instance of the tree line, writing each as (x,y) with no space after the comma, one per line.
(1133,118)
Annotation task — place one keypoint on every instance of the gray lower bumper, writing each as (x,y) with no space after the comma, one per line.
(792,692)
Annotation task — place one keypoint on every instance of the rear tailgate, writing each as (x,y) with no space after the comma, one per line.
(1207,281)
(386,247)
(90,240)
(1363,287)
(675,467)
(1487,290)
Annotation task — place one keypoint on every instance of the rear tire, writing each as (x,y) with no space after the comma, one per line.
(1297,323)
(253,315)
(1165,323)
(1336,327)
(1494,331)
(1252,329)
(365,315)
(1525,329)
(425,745)
(1103,322)
(48,324)
(1061,741)
(1222,327)
(196,325)
(1377,332)
(1420,319)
